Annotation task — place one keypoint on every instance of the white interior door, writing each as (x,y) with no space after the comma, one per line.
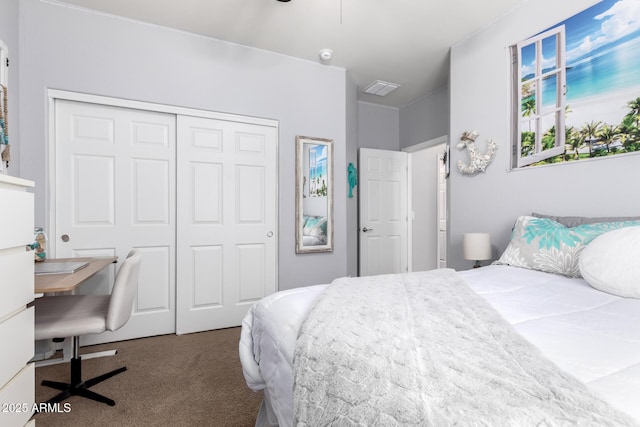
(227,205)
(426,186)
(382,212)
(115,190)
(442,210)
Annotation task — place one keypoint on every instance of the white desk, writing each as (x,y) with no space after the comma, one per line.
(47,283)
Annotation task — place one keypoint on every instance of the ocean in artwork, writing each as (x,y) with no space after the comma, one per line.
(616,68)
(602,61)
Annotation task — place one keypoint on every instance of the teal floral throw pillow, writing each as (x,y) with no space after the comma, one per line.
(545,245)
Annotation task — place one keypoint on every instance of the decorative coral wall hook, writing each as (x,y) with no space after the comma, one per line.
(479,162)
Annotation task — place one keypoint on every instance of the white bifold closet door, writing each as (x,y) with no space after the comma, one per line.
(115,190)
(227,204)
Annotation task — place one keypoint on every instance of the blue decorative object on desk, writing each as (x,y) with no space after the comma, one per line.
(40,244)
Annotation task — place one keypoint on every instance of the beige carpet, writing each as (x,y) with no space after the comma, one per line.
(187,380)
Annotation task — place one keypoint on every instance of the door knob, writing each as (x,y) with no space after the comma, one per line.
(365,229)
(65,237)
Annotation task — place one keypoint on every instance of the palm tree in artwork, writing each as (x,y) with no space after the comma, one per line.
(575,140)
(549,139)
(592,132)
(608,134)
(634,106)
(630,126)
(629,132)
(568,135)
(528,108)
(567,110)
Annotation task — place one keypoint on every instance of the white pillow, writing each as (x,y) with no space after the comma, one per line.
(611,262)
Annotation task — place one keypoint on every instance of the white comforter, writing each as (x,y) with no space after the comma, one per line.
(591,335)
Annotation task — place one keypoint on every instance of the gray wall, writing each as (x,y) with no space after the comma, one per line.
(352,157)
(479,84)
(425,118)
(378,127)
(76,50)
(9,34)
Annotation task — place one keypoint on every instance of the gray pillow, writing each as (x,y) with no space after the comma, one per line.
(545,245)
(574,221)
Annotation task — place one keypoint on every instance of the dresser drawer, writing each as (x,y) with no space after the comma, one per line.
(16,218)
(17,338)
(16,286)
(17,398)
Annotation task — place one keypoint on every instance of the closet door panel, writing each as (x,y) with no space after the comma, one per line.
(114,191)
(227,201)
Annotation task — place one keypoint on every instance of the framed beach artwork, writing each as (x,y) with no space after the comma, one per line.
(314,194)
(576,87)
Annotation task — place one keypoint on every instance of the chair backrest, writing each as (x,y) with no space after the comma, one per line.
(124,290)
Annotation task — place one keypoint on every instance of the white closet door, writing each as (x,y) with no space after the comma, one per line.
(115,190)
(227,205)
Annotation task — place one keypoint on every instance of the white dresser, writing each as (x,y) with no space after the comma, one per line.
(17,375)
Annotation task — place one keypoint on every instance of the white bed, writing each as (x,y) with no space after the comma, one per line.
(592,335)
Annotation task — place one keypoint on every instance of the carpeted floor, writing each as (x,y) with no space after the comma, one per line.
(187,380)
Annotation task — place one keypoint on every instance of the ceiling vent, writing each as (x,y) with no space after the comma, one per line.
(381,88)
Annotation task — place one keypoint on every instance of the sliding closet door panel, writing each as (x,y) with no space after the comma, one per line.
(227,204)
(114,191)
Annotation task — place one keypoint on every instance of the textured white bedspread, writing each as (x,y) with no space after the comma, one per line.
(589,334)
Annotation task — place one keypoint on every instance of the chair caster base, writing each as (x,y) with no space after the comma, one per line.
(77,387)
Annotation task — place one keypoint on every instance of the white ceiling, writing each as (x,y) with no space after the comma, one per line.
(400,41)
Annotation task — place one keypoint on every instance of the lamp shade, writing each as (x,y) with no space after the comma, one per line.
(476,246)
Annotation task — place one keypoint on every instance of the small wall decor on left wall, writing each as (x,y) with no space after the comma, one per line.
(5,153)
(352,178)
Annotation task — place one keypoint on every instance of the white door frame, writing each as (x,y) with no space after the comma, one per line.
(444,139)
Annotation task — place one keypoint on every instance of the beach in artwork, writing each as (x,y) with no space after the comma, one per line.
(608,108)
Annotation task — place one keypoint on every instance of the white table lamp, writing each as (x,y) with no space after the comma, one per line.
(476,247)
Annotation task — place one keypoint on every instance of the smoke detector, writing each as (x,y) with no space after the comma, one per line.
(326,54)
(381,88)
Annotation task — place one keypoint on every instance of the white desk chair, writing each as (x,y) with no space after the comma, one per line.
(75,315)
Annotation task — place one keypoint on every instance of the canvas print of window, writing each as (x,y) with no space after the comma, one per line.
(576,87)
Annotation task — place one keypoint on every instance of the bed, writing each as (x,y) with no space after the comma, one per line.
(590,336)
